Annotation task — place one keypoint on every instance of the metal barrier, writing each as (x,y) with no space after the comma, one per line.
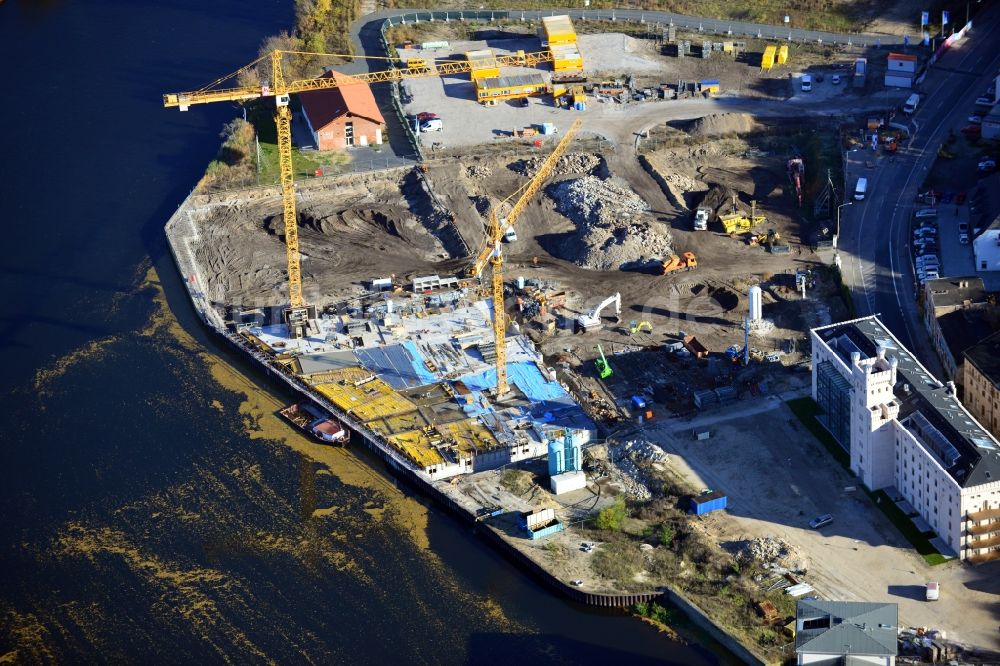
(664,19)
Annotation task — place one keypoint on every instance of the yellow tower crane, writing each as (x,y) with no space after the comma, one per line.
(298,314)
(493,250)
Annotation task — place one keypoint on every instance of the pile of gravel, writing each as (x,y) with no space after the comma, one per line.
(613,227)
(581,163)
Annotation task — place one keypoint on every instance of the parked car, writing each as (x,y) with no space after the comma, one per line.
(922,213)
(426,115)
(972,130)
(835,79)
(987,165)
(927,249)
(960,198)
(985,101)
(975,120)
(924,232)
(821,521)
(928,265)
(432,125)
(933,591)
(929,197)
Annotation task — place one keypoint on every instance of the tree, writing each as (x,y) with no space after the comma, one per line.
(612,517)
(667,534)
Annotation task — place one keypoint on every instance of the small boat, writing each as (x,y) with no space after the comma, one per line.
(321,425)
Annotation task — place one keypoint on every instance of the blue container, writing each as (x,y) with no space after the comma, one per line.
(707,503)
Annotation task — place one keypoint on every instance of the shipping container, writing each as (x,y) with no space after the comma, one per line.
(708,502)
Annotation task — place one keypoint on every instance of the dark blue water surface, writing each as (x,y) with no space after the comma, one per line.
(141,521)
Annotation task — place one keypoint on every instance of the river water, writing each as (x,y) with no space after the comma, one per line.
(153,506)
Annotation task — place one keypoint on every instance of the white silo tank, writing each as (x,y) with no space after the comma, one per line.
(756,304)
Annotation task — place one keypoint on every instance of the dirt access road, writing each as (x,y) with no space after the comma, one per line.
(778,477)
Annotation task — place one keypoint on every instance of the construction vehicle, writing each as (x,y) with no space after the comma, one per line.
(774,243)
(639,327)
(492,251)
(299,316)
(701,219)
(601,364)
(796,174)
(592,319)
(738,222)
(685,262)
(696,348)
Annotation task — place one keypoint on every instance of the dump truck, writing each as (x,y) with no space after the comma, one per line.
(686,262)
(701,219)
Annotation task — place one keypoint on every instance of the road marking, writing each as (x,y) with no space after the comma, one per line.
(892,222)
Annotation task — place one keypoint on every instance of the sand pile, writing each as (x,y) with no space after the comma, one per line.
(723,124)
(613,228)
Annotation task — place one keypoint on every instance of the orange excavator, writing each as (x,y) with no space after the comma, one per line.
(685,262)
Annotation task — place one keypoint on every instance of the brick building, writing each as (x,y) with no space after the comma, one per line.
(344,116)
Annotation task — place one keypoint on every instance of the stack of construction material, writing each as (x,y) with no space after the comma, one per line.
(559,36)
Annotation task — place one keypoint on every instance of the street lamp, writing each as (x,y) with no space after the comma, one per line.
(836,236)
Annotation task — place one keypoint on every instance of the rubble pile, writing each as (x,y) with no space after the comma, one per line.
(679,185)
(631,459)
(478,171)
(761,327)
(763,549)
(613,228)
(582,163)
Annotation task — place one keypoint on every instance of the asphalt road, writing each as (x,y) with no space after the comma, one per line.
(874,233)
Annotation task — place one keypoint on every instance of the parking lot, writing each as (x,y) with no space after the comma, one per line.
(778,478)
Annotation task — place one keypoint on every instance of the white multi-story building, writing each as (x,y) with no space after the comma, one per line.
(907,431)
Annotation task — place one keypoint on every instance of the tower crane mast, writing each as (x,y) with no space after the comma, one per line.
(493,251)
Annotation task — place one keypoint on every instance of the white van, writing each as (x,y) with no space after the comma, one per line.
(431,125)
(911,103)
(807,82)
(862,187)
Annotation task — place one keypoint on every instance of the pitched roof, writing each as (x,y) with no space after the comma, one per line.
(949,292)
(963,328)
(846,627)
(350,96)
(986,357)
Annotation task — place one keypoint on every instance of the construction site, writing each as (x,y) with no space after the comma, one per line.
(535,329)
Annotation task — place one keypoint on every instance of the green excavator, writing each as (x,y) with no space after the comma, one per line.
(602,365)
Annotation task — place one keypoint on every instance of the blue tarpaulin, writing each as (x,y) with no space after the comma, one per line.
(400,366)
(526,376)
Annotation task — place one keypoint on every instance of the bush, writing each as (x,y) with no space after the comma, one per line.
(613,517)
(667,534)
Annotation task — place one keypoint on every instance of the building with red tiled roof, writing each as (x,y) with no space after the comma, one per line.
(344,116)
